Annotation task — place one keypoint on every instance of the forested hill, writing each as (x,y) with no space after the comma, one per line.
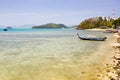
(99,22)
(51,25)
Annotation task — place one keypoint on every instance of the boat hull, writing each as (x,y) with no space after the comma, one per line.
(93,39)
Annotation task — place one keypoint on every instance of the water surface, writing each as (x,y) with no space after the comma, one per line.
(54,54)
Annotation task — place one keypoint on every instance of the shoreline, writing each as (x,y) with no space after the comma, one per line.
(96,29)
(108,63)
(104,30)
(113,67)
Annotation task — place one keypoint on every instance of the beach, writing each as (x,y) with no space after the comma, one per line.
(115,71)
(39,56)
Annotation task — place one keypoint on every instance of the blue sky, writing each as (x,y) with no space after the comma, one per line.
(68,12)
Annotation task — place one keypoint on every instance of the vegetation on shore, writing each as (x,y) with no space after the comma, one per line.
(99,22)
(51,26)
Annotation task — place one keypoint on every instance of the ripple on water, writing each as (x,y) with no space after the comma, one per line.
(53,58)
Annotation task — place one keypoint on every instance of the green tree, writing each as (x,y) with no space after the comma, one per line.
(99,23)
(100,18)
(118,21)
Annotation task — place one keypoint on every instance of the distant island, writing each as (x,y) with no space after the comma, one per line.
(51,26)
(9,27)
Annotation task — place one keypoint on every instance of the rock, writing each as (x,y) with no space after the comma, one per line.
(5,30)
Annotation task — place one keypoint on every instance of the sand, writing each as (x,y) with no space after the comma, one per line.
(113,66)
(95,29)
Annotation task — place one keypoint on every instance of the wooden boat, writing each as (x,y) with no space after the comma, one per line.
(92,38)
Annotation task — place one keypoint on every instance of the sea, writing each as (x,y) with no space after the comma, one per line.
(51,54)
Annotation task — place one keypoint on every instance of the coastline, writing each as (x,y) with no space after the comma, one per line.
(95,29)
(113,65)
(116,58)
(107,66)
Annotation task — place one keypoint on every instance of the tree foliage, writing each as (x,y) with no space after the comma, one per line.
(51,26)
(99,23)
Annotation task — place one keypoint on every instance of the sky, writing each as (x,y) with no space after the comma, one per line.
(68,12)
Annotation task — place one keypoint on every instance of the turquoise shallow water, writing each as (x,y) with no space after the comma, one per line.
(54,54)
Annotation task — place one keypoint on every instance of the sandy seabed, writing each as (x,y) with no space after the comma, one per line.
(56,59)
